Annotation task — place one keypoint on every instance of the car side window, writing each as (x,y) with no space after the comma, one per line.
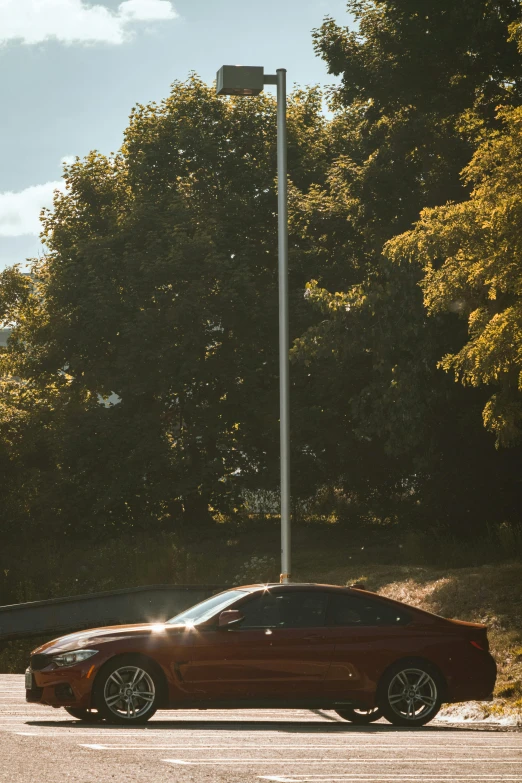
(296,609)
(349,610)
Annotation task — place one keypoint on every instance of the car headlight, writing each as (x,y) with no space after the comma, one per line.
(70,658)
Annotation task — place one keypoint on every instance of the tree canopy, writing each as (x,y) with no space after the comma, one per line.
(160,287)
(140,385)
(419,91)
(470,255)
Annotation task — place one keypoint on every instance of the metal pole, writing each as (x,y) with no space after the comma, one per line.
(284,344)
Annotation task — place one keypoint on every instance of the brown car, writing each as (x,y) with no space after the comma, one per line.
(297,645)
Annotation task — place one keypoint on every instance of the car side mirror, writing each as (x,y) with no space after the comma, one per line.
(230,618)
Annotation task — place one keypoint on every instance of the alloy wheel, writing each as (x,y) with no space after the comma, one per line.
(413,695)
(129,692)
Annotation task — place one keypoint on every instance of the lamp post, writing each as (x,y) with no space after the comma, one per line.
(246,80)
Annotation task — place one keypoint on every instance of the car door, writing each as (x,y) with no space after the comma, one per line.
(366,635)
(281,651)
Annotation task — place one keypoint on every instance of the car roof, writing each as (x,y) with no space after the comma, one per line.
(299,585)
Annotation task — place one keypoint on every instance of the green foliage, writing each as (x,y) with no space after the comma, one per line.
(139,390)
(419,90)
(418,94)
(160,287)
(470,256)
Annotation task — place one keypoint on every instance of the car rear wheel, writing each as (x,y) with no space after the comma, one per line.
(89,716)
(410,694)
(360,717)
(127,690)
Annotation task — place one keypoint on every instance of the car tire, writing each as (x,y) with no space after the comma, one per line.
(128,690)
(88,716)
(360,717)
(410,693)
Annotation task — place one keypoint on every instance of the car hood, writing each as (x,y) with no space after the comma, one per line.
(110,633)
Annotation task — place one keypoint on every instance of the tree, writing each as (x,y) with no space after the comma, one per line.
(160,286)
(418,93)
(470,255)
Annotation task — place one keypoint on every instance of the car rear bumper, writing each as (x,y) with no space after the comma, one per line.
(474,682)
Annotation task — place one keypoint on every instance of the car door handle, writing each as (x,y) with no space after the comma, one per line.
(314,637)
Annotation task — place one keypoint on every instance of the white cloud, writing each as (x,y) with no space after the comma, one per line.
(75,21)
(20,212)
(146,10)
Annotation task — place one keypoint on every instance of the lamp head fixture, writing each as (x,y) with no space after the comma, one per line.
(242,80)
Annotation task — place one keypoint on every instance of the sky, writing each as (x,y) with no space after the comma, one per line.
(71,71)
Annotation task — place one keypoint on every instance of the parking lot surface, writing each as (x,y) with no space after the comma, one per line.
(43,745)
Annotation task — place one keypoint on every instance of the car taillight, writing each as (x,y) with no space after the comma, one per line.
(482,644)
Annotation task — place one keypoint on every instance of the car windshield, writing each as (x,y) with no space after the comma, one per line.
(206,609)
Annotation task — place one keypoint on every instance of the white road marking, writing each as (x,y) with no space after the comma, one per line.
(373,779)
(204,745)
(354,761)
(271,746)
(180,739)
(12,727)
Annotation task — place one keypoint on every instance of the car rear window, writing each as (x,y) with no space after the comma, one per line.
(350,610)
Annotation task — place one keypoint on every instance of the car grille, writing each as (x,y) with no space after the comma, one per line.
(63,692)
(40,661)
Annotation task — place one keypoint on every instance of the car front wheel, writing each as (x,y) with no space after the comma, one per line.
(88,716)
(410,695)
(127,691)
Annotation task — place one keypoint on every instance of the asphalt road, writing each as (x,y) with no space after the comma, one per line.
(43,745)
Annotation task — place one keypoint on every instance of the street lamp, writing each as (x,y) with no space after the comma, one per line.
(246,80)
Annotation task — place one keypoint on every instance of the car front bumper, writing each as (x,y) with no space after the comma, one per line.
(70,686)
